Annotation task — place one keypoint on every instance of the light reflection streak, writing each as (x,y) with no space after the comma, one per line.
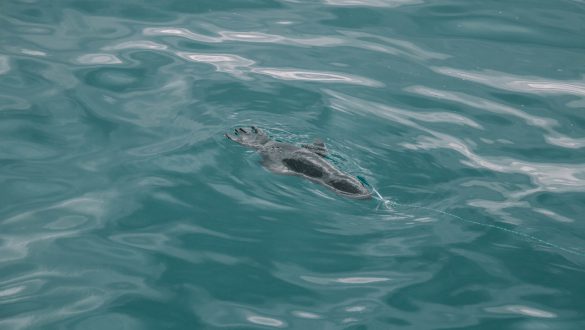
(179,32)
(98,59)
(350,39)
(552,136)
(373,3)
(306,315)
(266,321)
(525,84)
(344,280)
(554,177)
(4,65)
(222,62)
(33,52)
(521,310)
(137,44)
(304,75)
(483,104)
(238,66)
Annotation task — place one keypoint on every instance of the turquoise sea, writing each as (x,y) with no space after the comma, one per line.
(123,206)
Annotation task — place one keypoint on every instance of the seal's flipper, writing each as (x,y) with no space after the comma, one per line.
(249,136)
(317,147)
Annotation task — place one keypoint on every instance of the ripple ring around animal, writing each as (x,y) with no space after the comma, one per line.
(307,161)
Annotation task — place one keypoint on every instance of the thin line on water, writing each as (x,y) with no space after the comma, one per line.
(388,205)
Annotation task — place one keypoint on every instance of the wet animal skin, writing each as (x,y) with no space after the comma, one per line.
(307,161)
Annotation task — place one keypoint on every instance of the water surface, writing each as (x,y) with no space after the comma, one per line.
(122,206)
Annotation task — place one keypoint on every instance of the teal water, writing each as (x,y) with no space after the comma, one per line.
(122,206)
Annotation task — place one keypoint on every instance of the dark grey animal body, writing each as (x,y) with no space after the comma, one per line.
(306,161)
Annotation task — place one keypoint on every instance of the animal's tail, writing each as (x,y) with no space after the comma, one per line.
(390,205)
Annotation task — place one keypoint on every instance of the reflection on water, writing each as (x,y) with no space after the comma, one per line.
(373,3)
(517,83)
(123,206)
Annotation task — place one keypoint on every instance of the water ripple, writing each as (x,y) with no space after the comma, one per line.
(237,66)
(4,64)
(222,62)
(373,3)
(292,74)
(33,52)
(123,205)
(484,104)
(554,177)
(523,84)
(521,310)
(345,280)
(98,59)
(553,137)
(179,32)
(361,40)
(137,44)
(266,321)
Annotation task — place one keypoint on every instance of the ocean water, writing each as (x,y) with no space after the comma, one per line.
(123,206)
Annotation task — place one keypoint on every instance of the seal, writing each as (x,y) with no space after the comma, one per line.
(307,161)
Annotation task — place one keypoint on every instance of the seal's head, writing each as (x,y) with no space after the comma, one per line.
(249,137)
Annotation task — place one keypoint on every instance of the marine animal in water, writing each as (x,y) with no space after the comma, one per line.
(307,161)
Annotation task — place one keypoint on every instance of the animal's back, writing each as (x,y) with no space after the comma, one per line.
(308,162)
